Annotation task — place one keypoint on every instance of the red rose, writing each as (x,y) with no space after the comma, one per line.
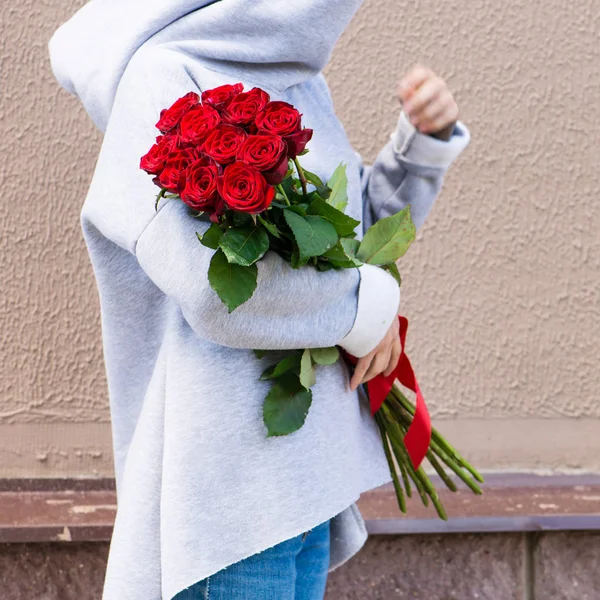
(279,118)
(283,119)
(170,117)
(243,108)
(297,142)
(153,162)
(244,188)
(264,152)
(200,191)
(172,135)
(223,142)
(197,123)
(267,153)
(220,95)
(173,175)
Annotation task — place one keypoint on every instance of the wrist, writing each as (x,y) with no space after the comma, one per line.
(443,134)
(427,150)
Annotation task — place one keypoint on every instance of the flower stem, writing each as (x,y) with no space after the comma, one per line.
(404,420)
(301,175)
(437,438)
(282,192)
(159,196)
(424,486)
(440,471)
(401,454)
(386,442)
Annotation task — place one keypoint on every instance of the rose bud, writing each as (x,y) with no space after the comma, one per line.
(276,175)
(219,95)
(243,188)
(200,191)
(297,142)
(243,108)
(197,123)
(153,162)
(170,117)
(220,208)
(173,175)
(223,143)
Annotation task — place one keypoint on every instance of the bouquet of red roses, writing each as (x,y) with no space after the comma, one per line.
(233,154)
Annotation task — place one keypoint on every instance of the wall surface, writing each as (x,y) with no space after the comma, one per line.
(502,287)
(551,566)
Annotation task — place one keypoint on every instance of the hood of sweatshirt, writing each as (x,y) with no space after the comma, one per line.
(277,42)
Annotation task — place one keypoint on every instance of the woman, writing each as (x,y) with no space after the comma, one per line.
(208,506)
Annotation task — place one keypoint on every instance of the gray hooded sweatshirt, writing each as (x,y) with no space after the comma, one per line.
(199,484)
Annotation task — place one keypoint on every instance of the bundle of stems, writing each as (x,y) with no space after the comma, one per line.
(394,418)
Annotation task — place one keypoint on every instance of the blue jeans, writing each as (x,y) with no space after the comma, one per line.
(295,569)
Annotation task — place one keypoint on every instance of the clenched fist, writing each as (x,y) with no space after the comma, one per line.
(427,102)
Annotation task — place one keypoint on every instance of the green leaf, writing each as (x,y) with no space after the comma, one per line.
(338,183)
(244,245)
(286,406)
(324,266)
(296,261)
(307,372)
(322,189)
(393,269)
(211,236)
(325,356)
(343,223)
(351,246)
(283,366)
(241,218)
(343,254)
(298,209)
(289,185)
(270,227)
(278,204)
(313,234)
(388,239)
(233,283)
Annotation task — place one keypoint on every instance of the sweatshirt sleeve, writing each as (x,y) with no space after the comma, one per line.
(290,308)
(409,170)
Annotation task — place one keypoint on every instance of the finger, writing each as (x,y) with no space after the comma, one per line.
(441,121)
(427,93)
(440,104)
(394,357)
(412,80)
(360,369)
(377,365)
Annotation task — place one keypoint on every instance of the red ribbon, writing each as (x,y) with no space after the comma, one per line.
(418,436)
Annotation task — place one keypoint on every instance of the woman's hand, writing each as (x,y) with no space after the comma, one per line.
(382,359)
(427,102)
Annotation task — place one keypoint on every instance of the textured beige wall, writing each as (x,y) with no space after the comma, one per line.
(503,287)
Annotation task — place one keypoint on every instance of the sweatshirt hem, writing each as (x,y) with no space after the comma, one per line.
(297,530)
